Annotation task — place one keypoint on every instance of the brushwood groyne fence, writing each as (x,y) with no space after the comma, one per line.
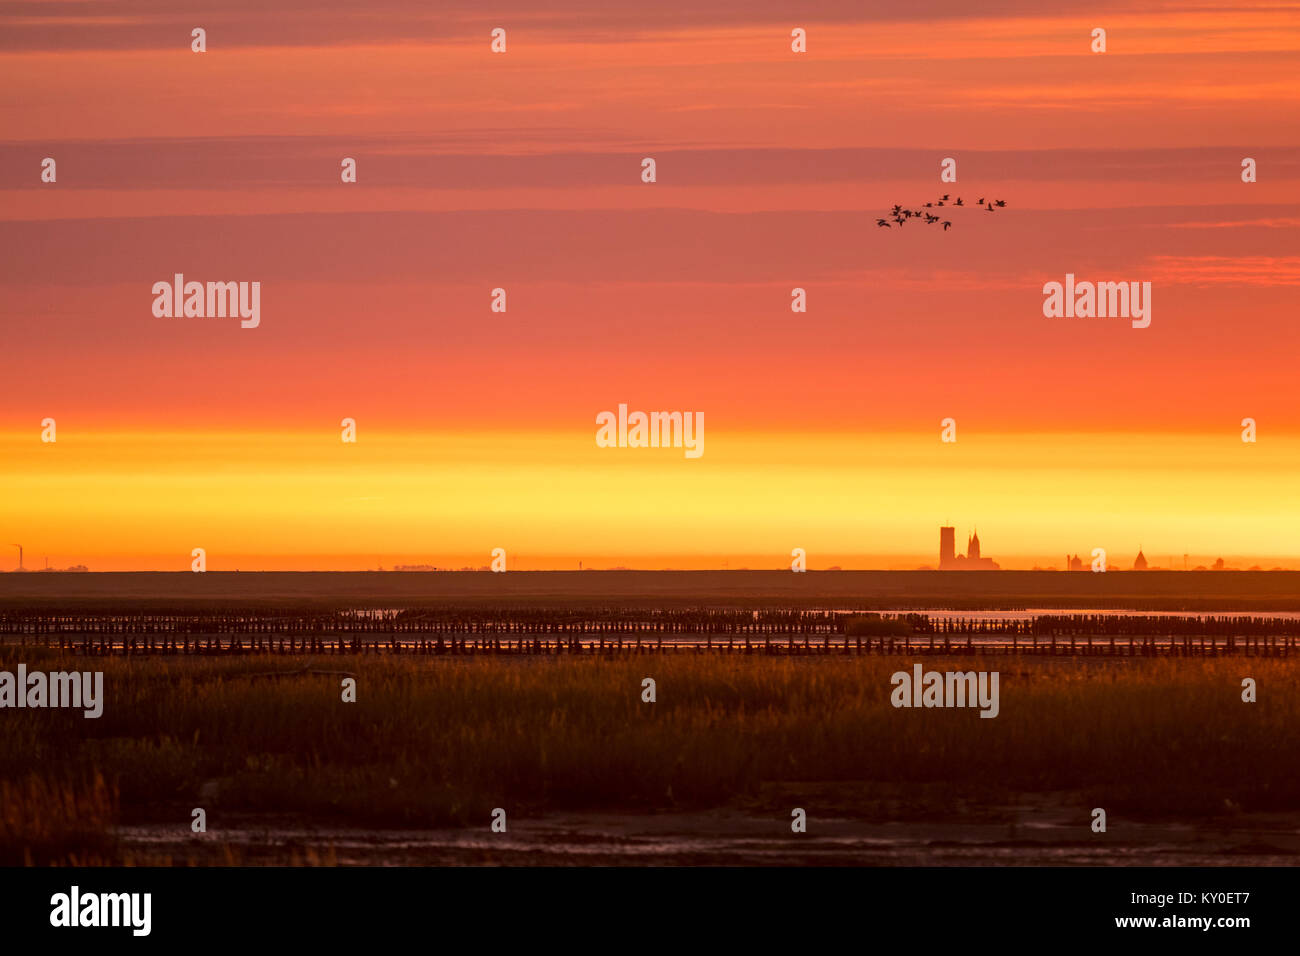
(548,631)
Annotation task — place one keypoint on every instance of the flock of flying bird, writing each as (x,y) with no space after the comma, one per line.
(901,215)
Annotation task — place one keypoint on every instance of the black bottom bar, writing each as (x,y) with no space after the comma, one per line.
(654,909)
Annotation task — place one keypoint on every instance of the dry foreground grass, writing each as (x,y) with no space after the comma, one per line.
(440,742)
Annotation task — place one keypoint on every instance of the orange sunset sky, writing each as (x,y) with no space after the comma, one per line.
(521,170)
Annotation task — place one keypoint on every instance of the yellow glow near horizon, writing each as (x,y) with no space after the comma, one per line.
(131,500)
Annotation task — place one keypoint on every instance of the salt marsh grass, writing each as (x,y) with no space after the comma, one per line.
(438,742)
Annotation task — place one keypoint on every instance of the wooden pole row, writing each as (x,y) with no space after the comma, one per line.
(453,644)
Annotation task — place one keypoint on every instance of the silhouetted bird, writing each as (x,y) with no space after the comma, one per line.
(900,215)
